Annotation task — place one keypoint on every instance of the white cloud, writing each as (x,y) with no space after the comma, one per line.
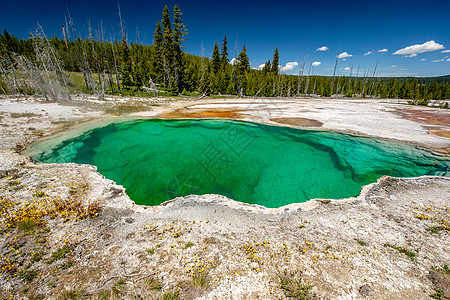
(394,66)
(368,53)
(438,60)
(423,59)
(344,59)
(289,66)
(323,48)
(383,50)
(445,51)
(448,59)
(344,55)
(316,63)
(260,67)
(233,61)
(347,69)
(412,51)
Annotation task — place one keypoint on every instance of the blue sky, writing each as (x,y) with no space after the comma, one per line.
(297,28)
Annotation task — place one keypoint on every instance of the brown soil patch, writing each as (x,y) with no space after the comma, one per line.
(303,122)
(443,133)
(201,114)
(441,118)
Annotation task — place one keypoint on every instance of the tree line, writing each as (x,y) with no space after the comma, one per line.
(117,66)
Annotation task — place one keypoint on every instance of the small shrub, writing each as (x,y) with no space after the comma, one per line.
(24,115)
(405,251)
(292,286)
(28,275)
(71,294)
(438,295)
(14,182)
(66,265)
(362,243)
(52,283)
(27,225)
(444,269)
(60,253)
(39,194)
(171,295)
(37,256)
(435,229)
(103,295)
(201,280)
(188,245)
(118,288)
(153,284)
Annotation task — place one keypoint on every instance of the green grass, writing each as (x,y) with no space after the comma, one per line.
(151,250)
(52,283)
(362,243)
(127,108)
(37,256)
(153,284)
(438,295)
(103,295)
(39,194)
(118,288)
(24,115)
(445,269)
(71,294)
(188,245)
(292,286)
(27,225)
(171,295)
(410,254)
(28,275)
(435,229)
(66,265)
(59,254)
(201,280)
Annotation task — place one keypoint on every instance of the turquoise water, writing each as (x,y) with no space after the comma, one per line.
(158,160)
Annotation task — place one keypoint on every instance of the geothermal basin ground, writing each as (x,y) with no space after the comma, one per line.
(67,231)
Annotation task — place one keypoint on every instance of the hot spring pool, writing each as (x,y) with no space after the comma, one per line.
(158,160)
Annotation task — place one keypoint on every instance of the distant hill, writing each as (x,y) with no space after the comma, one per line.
(445,78)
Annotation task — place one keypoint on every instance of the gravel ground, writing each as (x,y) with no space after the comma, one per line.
(69,233)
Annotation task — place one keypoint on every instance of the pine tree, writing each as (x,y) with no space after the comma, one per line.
(126,65)
(179,30)
(224,52)
(216,61)
(267,67)
(275,62)
(167,44)
(179,36)
(167,55)
(243,64)
(158,67)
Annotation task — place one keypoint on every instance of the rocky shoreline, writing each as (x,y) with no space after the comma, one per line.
(392,241)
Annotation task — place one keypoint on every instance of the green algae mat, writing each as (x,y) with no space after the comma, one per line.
(158,160)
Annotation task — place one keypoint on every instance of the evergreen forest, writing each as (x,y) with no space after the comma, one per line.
(102,65)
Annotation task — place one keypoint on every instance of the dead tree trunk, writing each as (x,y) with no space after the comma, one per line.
(300,75)
(307,79)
